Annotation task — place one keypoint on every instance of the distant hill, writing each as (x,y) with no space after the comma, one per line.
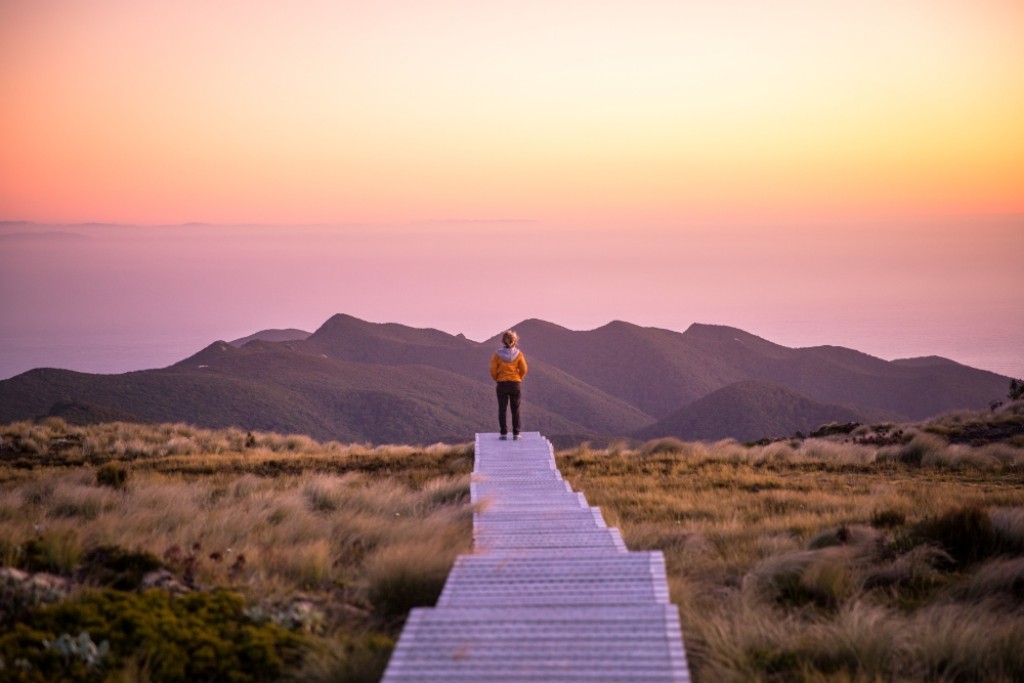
(354,380)
(754,409)
(352,340)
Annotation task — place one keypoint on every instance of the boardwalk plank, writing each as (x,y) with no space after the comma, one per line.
(550,592)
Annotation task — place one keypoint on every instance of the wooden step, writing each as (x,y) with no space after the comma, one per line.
(550,592)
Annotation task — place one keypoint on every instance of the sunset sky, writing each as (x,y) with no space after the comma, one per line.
(805,169)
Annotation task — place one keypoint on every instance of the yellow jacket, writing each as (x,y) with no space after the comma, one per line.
(508,365)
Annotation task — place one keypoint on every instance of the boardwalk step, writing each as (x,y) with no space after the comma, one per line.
(550,592)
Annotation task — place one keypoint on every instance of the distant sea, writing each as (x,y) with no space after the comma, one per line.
(99,353)
(1002,353)
(999,349)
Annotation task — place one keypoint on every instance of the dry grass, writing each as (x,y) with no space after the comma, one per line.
(180,448)
(299,532)
(818,560)
(354,535)
(827,560)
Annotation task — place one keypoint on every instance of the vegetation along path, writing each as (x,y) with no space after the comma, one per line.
(550,593)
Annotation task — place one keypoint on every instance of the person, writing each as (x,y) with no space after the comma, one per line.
(508,368)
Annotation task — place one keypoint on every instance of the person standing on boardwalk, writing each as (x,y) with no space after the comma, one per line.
(508,368)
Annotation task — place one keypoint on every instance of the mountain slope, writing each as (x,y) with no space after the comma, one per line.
(659,370)
(355,380)
(352,340)
(290,334)
(754,409)
(652,369)
(270,387)
(831,374)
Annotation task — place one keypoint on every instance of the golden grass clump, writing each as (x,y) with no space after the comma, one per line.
(840,454)
(975,641)
(668,444)
(412,574)
(1008,525)
(1001,580)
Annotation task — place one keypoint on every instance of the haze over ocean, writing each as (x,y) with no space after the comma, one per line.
(119,298)
(847,172)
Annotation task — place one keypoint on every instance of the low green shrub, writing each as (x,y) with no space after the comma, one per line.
(56,552)
(114,567)
(113,475)
(194,637)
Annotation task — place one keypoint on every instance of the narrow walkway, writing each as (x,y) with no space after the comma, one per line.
(550,593)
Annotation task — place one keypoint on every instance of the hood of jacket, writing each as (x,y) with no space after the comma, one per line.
(508,354)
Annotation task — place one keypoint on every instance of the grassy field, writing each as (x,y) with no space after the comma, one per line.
(317,550)
(883,554)
(139,553)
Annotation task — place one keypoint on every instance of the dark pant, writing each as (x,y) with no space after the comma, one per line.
(509,394)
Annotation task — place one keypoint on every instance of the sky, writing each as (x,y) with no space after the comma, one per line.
(843,172)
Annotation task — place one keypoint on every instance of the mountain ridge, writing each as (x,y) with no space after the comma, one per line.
(384,382)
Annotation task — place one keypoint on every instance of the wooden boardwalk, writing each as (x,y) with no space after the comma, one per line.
(550,593)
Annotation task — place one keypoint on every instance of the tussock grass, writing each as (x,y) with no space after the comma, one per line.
(1008,525)
(665,445)
(829,559)
(358,659)
(889,553)
(412,574)
(335,542)
(1001,580)
(923,449)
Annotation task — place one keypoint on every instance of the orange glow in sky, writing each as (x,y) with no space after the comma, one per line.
(569,110)
(846,172)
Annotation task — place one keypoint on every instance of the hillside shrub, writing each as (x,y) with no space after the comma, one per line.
(115,567)
(1016,389)
(72,500)
(668,444)
(821,578)
(1001,580)
(408,576)
(1008,526)
(56,552)
(21,592)
(112,475)
(353,659)
(195,637)
(858,535)
(966,533)
(834,428)
(919,448)
(910,578)
(888,518)
(447,491)
(323,494)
